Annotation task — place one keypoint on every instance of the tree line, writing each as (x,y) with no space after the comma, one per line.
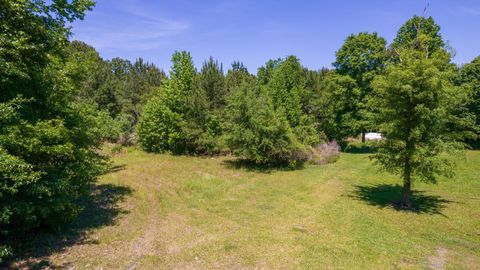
(60,101)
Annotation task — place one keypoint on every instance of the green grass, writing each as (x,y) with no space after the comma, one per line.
(175,212)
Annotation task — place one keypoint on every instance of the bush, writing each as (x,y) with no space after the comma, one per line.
(44,167)
(325,153)
(359,147)
(160,129)
(256,132)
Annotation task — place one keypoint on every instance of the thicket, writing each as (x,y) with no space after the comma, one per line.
(49,139)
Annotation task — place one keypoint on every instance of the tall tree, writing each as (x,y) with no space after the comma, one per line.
(287,87)
(48,140)
(361,57)
(212,81)
(237,75)
(175,120)
(470,77)
(418,26)
(416,101)
(91,77)
(335,106)
(137,85)
(265,73)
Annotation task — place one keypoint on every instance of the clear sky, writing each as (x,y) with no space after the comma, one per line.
(254,31)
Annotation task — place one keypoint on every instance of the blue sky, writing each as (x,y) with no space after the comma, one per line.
(255,31)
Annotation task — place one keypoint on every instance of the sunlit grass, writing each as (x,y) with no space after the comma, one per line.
(200,213)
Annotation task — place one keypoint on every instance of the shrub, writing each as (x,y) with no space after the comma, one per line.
(325,153)
(44,167)
(160,129)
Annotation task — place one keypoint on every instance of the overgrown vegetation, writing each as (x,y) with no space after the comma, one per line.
(60,101)
(48,139)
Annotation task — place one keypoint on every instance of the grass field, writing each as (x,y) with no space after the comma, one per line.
(175,212)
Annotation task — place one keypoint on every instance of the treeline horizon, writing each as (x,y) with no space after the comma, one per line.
(61,102)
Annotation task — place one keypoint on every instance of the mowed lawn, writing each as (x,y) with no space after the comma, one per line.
(176,212)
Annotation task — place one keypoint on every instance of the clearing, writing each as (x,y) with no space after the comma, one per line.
(176,212)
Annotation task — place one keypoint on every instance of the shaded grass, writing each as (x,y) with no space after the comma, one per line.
(99,209)
(208,213)
(384,195)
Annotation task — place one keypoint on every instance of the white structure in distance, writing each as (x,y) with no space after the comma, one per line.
(373,136)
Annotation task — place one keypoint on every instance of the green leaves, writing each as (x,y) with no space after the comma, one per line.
(419,31)
(413,111)
(48,140)
(258,132)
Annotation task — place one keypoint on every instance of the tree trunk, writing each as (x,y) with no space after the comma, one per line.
(407,177)
(363,135)
(406,203)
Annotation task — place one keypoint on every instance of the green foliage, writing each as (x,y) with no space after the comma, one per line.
(409,33)
(159,129)
(118,86)
(470,78)
(287,88)
(212,81)
(177,120)
(91,77)
(269,119)
(48,138)
(265,73)
(336,106)
(361,57)
(416,101)
(257,132)
(237,75)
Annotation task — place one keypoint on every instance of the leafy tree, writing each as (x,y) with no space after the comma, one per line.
(470,77)
(335,106)
(287,87)
(177,119)
(416,100)
(361,57)
(117,86)
(409,33)
(159,129)
(137,86)
(91,77)
(48,139)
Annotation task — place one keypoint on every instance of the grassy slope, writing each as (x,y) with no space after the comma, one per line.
(200,213)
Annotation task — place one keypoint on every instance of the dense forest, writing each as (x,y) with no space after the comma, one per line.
(60,102)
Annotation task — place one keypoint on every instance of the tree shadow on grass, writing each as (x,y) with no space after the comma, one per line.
(252,166)
(116,168)
(100,209)
(384,195)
